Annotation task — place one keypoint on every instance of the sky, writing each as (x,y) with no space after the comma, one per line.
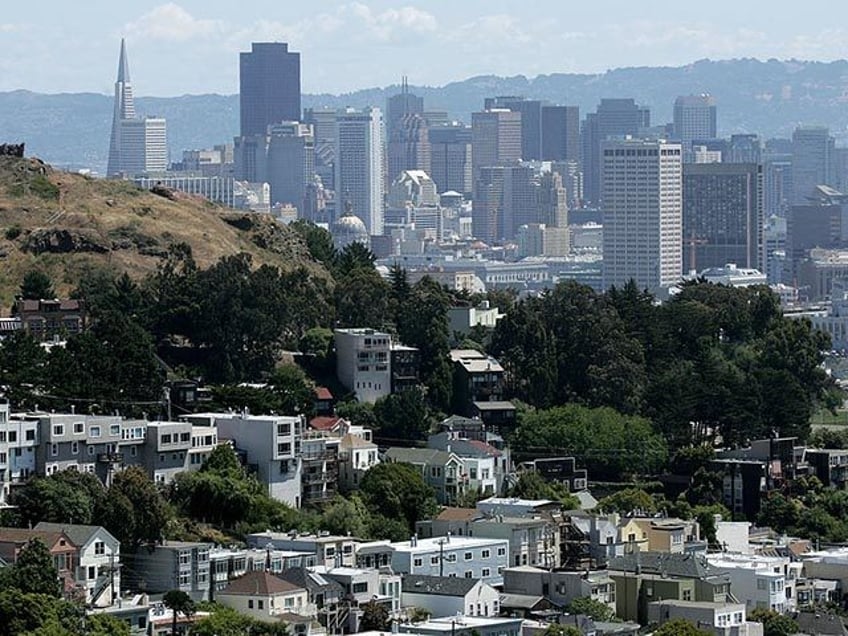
(191,46)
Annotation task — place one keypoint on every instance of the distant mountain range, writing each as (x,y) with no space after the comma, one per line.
(769,98)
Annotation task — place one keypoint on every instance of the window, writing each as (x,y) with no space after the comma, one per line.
(687,595)
(79,427)
(13,436)
(2,436)
(486,572)
(284,448)
(434,560)
(74,448)
(92,572)
(485,554)
(469,574)
(54,449)
(99,548)
(501,551)
(284,428)
(185,578)
(468,556)
(166,439)
(260,604)
(115,429)
(94,431)
(133,451)
(250,603)
(90,450)
(761,584)
(58,429)
(418,562)
(360,588)
(185,558)
(184,437)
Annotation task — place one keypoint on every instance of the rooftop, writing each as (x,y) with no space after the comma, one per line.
(259,583)
(437,585)
(77,533)
(437,543)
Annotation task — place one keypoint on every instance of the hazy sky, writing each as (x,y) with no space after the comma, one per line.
(191,46)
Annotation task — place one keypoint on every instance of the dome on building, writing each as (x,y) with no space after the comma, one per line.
(348,229)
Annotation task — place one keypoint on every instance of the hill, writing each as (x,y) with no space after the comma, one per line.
(769,97)
(66,224)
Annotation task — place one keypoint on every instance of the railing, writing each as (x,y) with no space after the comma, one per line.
(314,478)
(110,458)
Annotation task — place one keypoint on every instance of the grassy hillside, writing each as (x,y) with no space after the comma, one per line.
(66,223)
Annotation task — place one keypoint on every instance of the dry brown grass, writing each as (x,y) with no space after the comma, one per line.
(123,220)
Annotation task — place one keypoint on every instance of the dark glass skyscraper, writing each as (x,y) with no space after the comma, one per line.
(269,87)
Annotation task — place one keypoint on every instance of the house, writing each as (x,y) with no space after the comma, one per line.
(362,586)
(170,565)
(226,564)
(477,377)
(450,596)
(326,602)
(65,552)
(327,549)
(468,557)
(263,596)
(829,465)
(643,577)
(487,466)
(759,581)
(497,415)
(442,470)
(98,571)
(720,618)
(132,609)
(319,456)
(49,319)
(464,319)
(357,455)
(562,470)
(667,534)
(324,401)
(517,507)
(18,441)
(560,587)
(363,362)
(405,364)
(464,626)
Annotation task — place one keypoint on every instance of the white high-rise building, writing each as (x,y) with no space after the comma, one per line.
(138,146)
(360,165)
(642,191)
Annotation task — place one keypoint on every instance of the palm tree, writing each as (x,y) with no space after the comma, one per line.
(179,603)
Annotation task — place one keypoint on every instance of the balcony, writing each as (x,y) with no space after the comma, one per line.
(318,478)
(110,458)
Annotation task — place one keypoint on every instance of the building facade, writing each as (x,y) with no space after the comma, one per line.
(269,87)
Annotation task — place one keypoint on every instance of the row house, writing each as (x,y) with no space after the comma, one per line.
(462,557)
(477,377)
(450,595)
(761,582)
(363,586)
(356,452)
(488,467)
(444,471)
(719,618)
(52,318)
(65,552)
(263,596)
(18,441)
(226,564)
(171,565)
(319,455)
(560,587)
(326,549)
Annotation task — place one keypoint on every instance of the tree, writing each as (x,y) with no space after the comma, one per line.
(627,501)
(21,613)
(222,621)
(680,627)
(774,623)
(292,390)
(354,256)
(34,571)
(362,299)
(22,369)
(133,509)
(319,242)
(358,413)
(346,516)
(596,610)
(610,444)
(402,415)
(106,625)
(67,496)
(398,491)
(375,617)
(531,485)
(37,285)
(179,603)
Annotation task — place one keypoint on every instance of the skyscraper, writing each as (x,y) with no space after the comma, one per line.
(360,165)
(408,145)
(613,118)
(560,133)
(641,187)
(291,162)
(450,158)
(812,161)
(269,86)
(136,146)
(694,118)
(722,215)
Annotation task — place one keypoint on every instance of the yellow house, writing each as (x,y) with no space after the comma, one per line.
(263,596)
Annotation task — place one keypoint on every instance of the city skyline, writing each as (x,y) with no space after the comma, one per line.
(195,41)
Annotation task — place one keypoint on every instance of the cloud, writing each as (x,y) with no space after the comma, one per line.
(10,28)
(173,23)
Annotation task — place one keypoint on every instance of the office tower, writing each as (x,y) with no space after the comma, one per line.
(400,105)
(136,146)
(821,221)
(450,158)
(487,212)
(323,122)
(269,86)
(409,145)
(360,165)
(722,215)
(641,187)
(694,118)
(744,149)
(495,138)
(291,162)
(812,161)
(560,133)
(613,118)
(531,123)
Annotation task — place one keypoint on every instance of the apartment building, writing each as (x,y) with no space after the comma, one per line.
(328,550)
(170,565)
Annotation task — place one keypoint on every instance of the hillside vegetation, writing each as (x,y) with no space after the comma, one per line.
(66,224)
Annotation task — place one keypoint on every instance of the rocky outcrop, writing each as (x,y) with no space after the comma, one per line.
(64,241)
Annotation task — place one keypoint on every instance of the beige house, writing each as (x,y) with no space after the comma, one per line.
(263,596)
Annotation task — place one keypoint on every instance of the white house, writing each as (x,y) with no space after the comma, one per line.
(262,595)
(760,581)
(98,571)
(450,596)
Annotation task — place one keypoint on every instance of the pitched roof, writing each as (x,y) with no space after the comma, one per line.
(324,422)
(665,563)
(449,513)
(77,533)
(437,585)
(311,581)
(323,393)
(429,456)
(22,535)
(259,583)
(356,441)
